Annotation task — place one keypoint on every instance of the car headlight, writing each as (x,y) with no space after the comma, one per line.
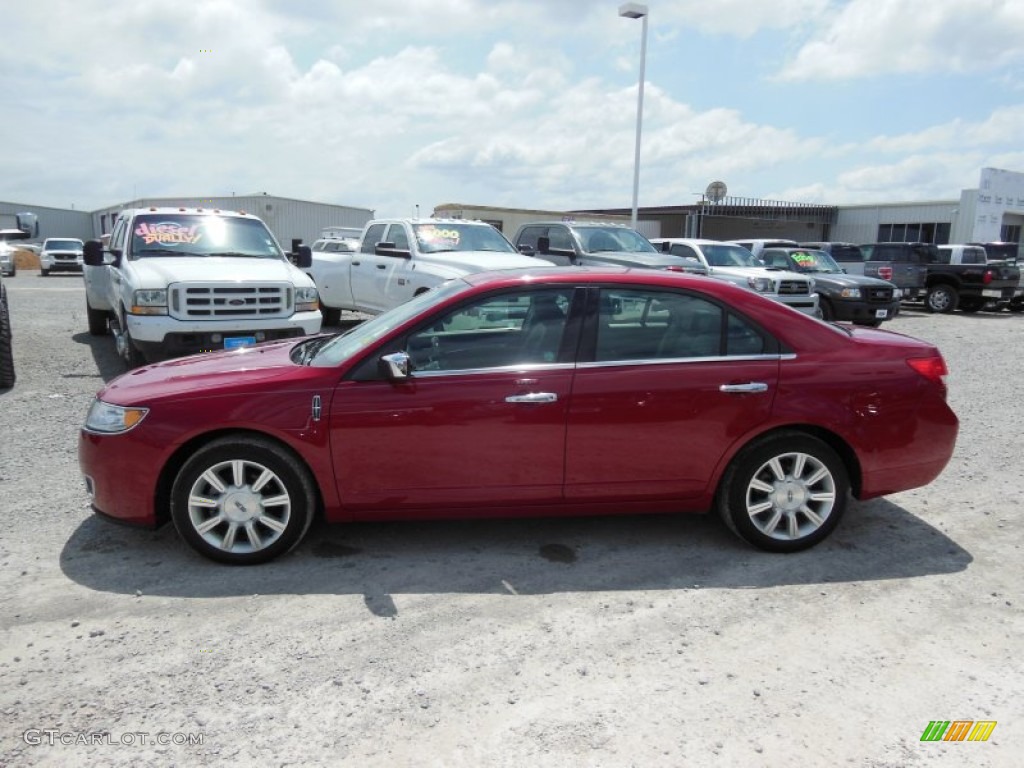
(850,293)
(306,300)
(760,284)
(112,419)
(149,302)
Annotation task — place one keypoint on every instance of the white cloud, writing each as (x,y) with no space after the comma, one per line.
(876,37)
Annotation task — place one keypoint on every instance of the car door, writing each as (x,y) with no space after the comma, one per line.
(363,270)
(480,421)
(668,382)
(392,272)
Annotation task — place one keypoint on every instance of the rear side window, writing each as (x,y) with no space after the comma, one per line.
(373,236)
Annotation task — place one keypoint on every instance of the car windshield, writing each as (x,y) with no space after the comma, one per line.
(64,245)
(597,239)
(726,255)
(354,341)
(439,237)
(813,261)
(182,234)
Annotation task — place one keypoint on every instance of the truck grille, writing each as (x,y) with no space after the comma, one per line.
(794,288)
(197,301)
(879,295)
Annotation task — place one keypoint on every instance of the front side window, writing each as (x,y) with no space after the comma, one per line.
(182,234)
(524,327)
(598,239)
(727,255)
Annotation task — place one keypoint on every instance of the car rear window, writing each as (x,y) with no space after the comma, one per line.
(847,253)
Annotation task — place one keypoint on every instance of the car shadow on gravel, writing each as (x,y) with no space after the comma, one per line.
(877,540)
(104,354)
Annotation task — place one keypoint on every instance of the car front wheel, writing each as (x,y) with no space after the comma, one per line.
(784,493)
(242,500)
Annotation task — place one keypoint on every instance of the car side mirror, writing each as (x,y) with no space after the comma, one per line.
(92,253)
(387,248)
(527,250)
(396,366)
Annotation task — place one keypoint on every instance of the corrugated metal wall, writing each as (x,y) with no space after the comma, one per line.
(53,222)
(859,224)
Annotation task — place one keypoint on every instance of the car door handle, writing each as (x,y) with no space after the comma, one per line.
(753,386)
(382,266)
(533,397)
(356,263)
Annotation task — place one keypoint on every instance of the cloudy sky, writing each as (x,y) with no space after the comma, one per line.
(393,104)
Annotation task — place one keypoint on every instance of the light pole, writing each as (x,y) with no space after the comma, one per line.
(637,11)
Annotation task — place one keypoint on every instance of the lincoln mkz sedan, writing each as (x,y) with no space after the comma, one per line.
(527,392)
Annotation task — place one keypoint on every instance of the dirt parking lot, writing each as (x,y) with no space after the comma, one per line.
(647,641)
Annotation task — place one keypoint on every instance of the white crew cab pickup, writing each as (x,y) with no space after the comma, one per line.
(737,265)
(400,258)
(176,281)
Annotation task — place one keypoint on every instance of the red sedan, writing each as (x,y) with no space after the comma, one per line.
(545,392)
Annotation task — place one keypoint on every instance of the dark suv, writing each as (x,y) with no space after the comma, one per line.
(590,243)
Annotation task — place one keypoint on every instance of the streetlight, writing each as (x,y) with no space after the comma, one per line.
(637,11)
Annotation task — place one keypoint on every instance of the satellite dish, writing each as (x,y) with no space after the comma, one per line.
(716,191)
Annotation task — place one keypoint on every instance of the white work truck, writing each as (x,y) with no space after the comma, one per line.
(174,281)
(735,264)
(400,258)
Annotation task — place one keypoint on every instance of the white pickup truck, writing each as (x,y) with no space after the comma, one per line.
(176,281)
(400,258)
(736,264)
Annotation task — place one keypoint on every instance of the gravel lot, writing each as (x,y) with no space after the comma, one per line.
(593,642)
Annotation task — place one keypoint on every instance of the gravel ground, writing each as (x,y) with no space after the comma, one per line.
(592,642)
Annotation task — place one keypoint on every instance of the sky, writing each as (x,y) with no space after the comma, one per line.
(402,105)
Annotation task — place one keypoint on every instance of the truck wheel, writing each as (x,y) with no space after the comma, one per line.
(44,271)
(97,320)
(785,492)
(331,316)
(941,298)
(242,500)
(828,314)
(126,348)
(6,353)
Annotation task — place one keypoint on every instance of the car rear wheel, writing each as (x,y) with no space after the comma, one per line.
(784,493)
(941,298)
(242,501)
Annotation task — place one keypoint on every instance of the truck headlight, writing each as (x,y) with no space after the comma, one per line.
(306,300)
(850,293)
(760,284)
(112,419)
(149,302)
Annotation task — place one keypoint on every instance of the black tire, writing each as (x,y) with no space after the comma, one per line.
(331,316)
(98,320)
(265,472)
(44,272)
(941,298)
(828,314)
(1019,307)
(7,376)
(126,349)
(815,483)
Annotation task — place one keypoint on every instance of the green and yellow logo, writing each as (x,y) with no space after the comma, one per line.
(958,730)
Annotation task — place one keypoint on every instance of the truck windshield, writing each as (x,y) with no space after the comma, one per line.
(64,245)
(603,239)
(729,256)
(438,237)
(183,234)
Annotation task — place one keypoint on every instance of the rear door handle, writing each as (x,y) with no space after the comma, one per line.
(382,266)
(753,386)
(533,397)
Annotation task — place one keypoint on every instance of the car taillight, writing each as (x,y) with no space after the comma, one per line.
(885,273)
(932,368)
(988,277)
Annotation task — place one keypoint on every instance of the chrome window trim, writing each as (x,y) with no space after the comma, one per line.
(522,368)
(668,360)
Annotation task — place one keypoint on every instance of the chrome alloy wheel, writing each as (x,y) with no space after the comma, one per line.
(790,496)
(239,506)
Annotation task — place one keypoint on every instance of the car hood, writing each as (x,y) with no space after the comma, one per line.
(635,258)
(839,280)
(479,261)
(772,274)
(157,272)
(215,373)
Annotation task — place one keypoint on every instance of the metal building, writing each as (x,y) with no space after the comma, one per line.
(53,222)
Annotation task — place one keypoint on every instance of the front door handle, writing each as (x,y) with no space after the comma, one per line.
(382,266)
(533,397)
(753,386)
